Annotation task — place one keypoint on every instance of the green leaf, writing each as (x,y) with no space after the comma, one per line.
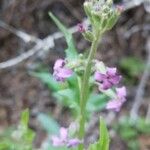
(48,123)
(71,52)
(48,79)
(96,102)
(132,65)
(104,136)
(50,147)
(103,142)
(67,97)
(25,118)
(4,145)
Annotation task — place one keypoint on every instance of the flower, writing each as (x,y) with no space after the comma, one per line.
(61,72)
(73,143)
(109,79)
(63,140)
(116,104)
(81,27)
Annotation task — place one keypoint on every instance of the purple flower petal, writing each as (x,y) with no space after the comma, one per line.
(109,79)
(73,143)
(63,133)
(60,71)
(115,79)
(59,64)
(99,76)
(118,102)
(63,140)
(121,92)
(56,141)
(114,104)
(106,85)
(64,73)
(81,28)
(111,71)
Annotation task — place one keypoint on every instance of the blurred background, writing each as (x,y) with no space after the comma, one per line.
(31,42)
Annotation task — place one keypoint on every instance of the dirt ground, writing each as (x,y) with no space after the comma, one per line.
(19,90)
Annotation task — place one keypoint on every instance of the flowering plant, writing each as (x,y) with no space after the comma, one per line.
(89,73)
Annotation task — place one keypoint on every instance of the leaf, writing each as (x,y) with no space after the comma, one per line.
(96,102)
(4,145)
(25,118)
(132,65)
(104,136)
(50,147)
(48,79)
(67,97)
(71,52)
(103,142)
(48,123)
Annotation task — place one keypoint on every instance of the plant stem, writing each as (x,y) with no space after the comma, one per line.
(85,90)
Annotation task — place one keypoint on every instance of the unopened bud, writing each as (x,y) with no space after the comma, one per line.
(81,28)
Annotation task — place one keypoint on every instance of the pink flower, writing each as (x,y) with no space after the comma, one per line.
(116,104)
(109,79)
(63,140)
(81,27)
(60,71)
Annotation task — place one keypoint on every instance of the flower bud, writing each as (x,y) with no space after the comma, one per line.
(102,14)
(88,36)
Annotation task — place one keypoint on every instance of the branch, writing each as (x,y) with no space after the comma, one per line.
(45,44)
(22,35)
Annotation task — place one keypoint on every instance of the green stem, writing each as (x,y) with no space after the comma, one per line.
(85,90)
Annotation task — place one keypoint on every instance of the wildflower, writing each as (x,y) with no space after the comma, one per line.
(108,79)
(63,140)
(120,99)
(61,72)
(81,27)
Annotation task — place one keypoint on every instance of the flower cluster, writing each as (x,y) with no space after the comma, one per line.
(63,140)
(102,14)
(109,79)
(106,79)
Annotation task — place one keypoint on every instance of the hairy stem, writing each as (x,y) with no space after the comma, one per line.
(85,90)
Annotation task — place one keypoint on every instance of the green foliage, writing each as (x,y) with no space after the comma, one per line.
(96,102)
(48,79)
(48,123)
(68,94)
(71,52)
(104,136)
(51,126)
(130,131)
(19,139)
(132,67)
(103,142)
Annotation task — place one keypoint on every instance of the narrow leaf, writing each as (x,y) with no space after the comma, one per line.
(48,123)
(25,118)
(104,136)
(48,79)
(71,52)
